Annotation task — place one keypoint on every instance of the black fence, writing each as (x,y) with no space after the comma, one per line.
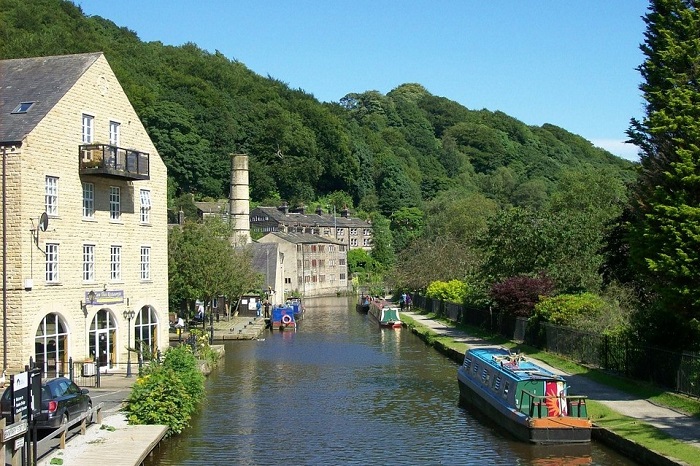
(88,374)
(675,371)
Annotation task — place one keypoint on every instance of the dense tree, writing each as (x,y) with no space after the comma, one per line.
(202,264)
(665,229)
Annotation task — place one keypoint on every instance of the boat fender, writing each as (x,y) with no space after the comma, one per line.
(286,319)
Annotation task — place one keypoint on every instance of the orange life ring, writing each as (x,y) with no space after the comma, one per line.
(286,319)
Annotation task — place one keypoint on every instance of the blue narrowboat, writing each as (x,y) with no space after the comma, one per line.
(283,318)
(527,400)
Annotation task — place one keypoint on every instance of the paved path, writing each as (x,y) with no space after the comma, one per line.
(234,328)
(677,425)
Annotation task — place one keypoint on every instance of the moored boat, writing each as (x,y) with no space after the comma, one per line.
(283,318)
(297,308)
(363,304)
(527,400)
(384,313)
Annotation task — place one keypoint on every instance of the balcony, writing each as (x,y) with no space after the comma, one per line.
(113,161)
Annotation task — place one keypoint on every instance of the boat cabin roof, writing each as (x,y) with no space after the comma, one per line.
(514,364)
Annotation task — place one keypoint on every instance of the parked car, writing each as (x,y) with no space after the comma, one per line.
(61,401)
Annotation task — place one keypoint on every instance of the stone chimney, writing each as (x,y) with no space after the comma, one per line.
(345,213)
(239,200)
(284,208)
(319,211)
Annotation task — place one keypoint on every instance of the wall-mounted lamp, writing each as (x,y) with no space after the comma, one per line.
(90,300)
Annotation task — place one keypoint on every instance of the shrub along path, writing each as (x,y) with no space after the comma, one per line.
(676,425)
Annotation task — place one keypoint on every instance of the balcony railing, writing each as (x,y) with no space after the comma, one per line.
(113,161)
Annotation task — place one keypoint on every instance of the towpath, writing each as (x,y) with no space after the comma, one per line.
(676,424)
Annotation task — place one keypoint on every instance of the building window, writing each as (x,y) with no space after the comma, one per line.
(145,329)
(366,242)
(115,263)
(114,133)
(341,261)
(353,241)
(287,280)
(88,200)
(102,340)
(145,206)
(50,346)
(145,263)
(23,107)
(341,232)
(114,203)
(326,231)
(88,128)
(367,232)
(88,262)
(342,276)
(51,195)
(52,263)
(353,231)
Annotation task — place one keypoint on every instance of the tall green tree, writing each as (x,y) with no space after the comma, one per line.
(665,230)
(202,263)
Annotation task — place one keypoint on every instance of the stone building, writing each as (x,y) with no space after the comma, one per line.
(354,233)
(310,265)
(85,267)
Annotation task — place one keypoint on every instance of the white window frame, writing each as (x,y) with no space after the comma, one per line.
(145,262)
(51,195)
(89,200)
(115,262)
(145,196)
(88,132)
(115,213)
(114,133)
(52,263)
(89,263)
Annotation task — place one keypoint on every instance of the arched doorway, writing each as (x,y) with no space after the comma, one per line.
(145,332)
(50,346)
(103,338)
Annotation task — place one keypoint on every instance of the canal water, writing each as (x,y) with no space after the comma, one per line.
(340,390)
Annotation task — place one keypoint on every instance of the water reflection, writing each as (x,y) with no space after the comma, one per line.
(341,390)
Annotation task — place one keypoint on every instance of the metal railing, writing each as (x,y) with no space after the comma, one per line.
(539,405)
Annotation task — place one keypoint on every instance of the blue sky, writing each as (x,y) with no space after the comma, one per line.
(568,63)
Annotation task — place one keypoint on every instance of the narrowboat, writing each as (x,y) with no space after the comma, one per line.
(297,308)
(283,318)
(362,305)
(385,314)
(527,400)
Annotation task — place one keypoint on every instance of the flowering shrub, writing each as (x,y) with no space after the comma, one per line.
(454,291)
(167,393)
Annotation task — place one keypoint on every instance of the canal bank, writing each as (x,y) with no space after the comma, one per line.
(678,426)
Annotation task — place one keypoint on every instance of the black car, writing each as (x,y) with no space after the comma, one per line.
(61,401)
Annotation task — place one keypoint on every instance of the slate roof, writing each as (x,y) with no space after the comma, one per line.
(303,238)
(313,219)
(42,80)
(217,207)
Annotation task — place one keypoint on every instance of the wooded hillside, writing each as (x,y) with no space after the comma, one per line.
(386,152)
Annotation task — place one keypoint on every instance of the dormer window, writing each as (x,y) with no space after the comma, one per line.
(23,107)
